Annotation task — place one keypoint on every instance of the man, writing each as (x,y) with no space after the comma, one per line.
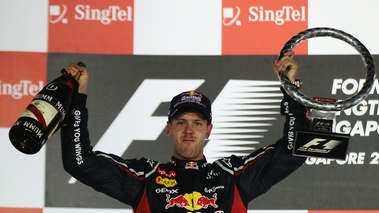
(187,183)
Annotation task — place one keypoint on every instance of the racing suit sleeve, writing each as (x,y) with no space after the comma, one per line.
(259,171)
(105,173)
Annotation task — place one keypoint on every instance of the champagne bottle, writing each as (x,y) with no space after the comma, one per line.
(44,114)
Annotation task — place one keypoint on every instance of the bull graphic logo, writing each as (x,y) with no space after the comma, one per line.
(179,201)
(191,165)
(205,201)
(192,201)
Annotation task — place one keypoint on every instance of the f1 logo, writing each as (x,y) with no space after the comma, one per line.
(320,144)
(238,102)
(139,110)
(328,144)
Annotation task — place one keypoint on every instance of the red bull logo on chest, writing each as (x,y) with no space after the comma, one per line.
(192,201)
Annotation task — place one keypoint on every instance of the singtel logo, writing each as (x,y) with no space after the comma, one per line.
(261,14)
(279,17)
(21,89)
(113,13)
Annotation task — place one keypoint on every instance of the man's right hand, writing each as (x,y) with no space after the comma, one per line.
(81,75)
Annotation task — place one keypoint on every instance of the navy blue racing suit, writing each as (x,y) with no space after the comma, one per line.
(226,185)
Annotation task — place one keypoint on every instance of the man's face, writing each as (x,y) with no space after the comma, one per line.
(188,131)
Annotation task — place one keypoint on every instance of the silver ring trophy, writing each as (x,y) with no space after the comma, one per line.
(321,141)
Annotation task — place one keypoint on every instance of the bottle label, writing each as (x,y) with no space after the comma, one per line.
(41,111)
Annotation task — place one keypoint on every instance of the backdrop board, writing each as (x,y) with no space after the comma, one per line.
(142,53)
(320,184)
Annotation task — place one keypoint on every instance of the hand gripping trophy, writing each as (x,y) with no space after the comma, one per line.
(320,141)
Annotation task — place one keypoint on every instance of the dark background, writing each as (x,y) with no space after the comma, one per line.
(114,79)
